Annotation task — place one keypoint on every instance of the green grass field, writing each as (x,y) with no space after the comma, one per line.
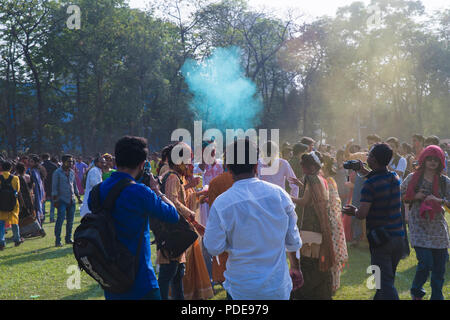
(38,270)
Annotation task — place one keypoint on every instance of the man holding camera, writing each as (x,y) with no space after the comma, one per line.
(380,205)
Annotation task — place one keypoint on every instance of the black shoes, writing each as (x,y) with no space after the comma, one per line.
(16,244)
(69,242)
(58,244)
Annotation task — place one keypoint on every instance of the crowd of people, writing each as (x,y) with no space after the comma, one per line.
(306,213)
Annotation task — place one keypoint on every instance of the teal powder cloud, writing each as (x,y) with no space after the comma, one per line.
(223,97)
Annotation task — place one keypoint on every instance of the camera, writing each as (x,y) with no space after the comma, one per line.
(146,175)
(352,165)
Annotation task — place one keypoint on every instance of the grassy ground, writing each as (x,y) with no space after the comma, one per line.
(38,270)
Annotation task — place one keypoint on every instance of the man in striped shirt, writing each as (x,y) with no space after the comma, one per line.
(381,207)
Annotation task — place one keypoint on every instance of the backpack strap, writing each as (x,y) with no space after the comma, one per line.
(114,193)
(112,196)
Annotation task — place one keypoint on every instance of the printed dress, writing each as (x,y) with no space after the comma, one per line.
(426,232)
(338,234)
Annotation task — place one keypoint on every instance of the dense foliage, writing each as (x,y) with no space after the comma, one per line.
(78,90)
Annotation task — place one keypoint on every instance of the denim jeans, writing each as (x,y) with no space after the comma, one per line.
(387,258)
(171,274)
(429,260)
(15,230)
(52,209)
(62,210)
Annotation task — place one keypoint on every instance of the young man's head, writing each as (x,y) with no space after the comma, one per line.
(20,169)
(5,166)
(34,161)
(67,161)
(372,139)
(131,153)
(393,143)
(431,141)
(379,156)
(242,157)
(309,142)
(99,162)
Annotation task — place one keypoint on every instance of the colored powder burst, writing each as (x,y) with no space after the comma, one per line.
(223,97)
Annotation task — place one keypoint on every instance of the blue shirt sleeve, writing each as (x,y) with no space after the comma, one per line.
(157,208)
(367,194)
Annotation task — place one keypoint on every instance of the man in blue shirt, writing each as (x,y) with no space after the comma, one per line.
(133,207)
(380,205)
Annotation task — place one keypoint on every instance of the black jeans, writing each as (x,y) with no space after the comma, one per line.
(171,275)
(387,258)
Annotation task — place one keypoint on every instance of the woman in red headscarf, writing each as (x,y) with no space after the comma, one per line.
(426,191)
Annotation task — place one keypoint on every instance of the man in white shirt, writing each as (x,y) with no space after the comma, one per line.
(255,223)
(93,178)
(398,163)
(281,175)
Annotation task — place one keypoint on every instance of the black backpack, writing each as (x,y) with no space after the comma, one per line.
(97,249)
(172,239)
(8,196)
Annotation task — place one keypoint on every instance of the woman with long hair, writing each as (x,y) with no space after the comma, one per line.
(317,253)
(172,271)
(426,191)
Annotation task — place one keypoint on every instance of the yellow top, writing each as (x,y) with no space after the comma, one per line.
(11,217)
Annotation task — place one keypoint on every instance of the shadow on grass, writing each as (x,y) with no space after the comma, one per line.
(36,256)
(7,257)
(94,291)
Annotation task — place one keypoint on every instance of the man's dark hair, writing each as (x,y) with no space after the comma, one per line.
(299,148)
(432,140)
(249,148)
(45,156)
(394,140)
(98,159)
(54,159)
(6,165)
(419,137)
(130,151)
(66,157)
(35,158)
(382,153)
(307,140)
(20,168)
(374,137)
